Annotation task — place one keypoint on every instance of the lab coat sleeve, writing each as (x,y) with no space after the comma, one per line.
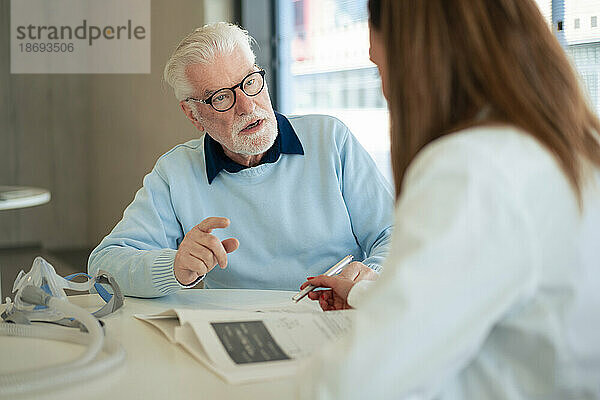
(358,292)
(140,250)
(369,200)
(463,254)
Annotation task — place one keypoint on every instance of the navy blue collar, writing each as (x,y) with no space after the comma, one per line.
(287,142)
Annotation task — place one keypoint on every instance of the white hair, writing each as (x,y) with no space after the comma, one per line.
(200,47)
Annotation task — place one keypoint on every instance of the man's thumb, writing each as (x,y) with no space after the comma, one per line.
(230,245)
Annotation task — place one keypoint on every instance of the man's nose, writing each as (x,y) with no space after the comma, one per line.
(244,104)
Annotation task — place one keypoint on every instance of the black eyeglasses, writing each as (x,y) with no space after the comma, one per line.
(223,99)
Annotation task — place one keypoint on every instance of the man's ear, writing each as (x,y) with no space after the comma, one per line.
(187,110)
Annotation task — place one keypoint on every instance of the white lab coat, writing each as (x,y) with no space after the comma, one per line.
(491,289)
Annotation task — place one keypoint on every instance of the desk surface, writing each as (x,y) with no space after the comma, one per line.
(154,368)
(12,197)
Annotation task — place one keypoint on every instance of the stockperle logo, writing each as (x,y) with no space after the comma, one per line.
(80,36)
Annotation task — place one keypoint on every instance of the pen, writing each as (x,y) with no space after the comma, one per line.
(337,268)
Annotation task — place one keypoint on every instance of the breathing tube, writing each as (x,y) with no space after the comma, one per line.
(36,302)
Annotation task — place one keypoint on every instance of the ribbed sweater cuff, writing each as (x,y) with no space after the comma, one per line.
(375,267)
(163,275)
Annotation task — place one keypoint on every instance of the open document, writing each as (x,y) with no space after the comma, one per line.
(247,346)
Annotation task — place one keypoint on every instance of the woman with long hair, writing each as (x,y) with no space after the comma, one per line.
(492,286)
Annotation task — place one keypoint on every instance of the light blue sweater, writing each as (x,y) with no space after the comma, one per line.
(293,218)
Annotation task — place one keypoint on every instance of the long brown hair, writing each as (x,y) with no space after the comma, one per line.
(449,59)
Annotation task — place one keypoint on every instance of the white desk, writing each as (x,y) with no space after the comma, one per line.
(12,197)
(154,368)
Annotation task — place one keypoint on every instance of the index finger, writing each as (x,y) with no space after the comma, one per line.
(322,281)
(211,223)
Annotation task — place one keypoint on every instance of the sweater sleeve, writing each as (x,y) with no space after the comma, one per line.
(369,201)
(140,250)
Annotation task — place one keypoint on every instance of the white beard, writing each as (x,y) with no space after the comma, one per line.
(255,143)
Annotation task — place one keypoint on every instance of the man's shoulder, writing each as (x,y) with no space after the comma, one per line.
(183,150)
(316,121)
(316,128)
(182,157)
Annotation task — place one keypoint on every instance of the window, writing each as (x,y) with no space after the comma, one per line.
(330,71)
(299,15)
(545,7)
(582,42)
(322,63)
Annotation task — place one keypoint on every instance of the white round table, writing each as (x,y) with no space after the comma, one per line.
(12,197)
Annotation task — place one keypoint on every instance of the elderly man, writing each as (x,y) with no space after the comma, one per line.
(269,199)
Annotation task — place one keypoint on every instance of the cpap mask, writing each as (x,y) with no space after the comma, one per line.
(43,275)
(40,297)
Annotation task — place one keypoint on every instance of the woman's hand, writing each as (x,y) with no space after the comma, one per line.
(337,297)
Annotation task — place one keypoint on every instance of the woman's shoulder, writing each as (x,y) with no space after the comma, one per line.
(499,140)
(499,158)
(489,149)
